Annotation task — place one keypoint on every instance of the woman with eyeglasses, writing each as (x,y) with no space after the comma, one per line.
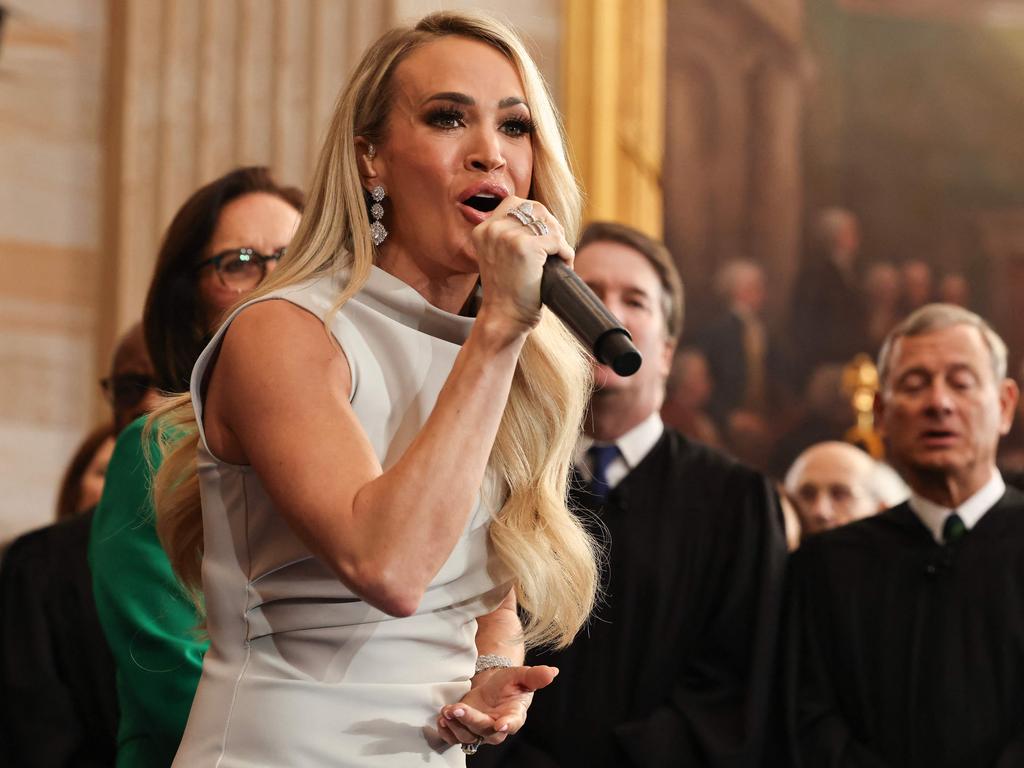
(225,239)
(220,245)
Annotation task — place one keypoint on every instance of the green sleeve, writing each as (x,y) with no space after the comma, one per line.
(149,621)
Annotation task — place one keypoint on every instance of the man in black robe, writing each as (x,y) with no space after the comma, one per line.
(58,703)
(906,635)
(674,668)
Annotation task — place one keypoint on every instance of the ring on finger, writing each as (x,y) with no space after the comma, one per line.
(538,227)
(529,221)
(523,213)
(521,216)
(470,749)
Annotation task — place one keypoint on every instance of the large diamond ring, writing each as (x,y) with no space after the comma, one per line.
(521,216)
(470,749)
(538,227)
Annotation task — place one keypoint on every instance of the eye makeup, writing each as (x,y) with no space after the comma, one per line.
(450,117)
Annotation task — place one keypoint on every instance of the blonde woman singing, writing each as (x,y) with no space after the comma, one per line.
(377,500)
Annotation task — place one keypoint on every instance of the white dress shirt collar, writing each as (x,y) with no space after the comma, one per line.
(933,515)
(633,447)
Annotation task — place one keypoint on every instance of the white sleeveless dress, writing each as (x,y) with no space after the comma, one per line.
(300,671)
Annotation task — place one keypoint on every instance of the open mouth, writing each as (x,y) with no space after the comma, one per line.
(483,202)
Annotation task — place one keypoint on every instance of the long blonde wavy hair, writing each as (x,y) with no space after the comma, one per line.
(551,556)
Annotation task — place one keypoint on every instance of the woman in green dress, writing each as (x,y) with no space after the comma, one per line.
(221,244)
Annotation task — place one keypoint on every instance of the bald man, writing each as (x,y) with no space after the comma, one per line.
(832,483)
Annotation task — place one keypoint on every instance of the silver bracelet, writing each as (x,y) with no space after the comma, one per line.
(490,661)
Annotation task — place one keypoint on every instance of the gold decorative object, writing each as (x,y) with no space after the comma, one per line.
(860,383)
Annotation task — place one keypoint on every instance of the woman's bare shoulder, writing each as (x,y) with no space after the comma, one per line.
(280,330)
(278,345)
(277,364)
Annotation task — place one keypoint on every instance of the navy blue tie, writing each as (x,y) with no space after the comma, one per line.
(600,457)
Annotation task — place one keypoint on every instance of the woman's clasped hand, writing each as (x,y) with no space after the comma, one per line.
(495,707)
(511,256)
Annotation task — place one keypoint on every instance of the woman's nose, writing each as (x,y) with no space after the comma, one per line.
(484,154)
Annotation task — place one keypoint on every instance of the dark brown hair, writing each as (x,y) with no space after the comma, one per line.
(173,320)
(71,486)
(656,254)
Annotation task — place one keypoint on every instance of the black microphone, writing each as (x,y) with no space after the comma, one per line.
(575,304)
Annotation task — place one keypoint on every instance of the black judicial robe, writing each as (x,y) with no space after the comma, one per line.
(902,652)
(675,666)
(58,704)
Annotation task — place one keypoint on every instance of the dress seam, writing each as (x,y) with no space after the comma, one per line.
(231,707)
(248,629)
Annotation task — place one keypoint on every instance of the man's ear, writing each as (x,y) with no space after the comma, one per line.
(366,159)
(667,353)
(878,410)
(1009,393)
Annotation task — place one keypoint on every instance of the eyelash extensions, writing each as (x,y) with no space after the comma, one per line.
(520,126)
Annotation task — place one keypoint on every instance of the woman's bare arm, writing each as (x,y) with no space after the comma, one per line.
(500,632)
(278,399)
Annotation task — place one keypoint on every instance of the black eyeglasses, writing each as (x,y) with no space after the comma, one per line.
(241,268)
(127,390)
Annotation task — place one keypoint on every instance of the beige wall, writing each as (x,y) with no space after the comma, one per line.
(51,103)
(197,88)
(111,112)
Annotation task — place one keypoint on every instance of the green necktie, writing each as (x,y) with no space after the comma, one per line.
(953,529)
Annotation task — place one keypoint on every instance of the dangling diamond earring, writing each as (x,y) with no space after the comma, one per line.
(377,230)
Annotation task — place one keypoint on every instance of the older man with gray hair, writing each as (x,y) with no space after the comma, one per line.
(906,646)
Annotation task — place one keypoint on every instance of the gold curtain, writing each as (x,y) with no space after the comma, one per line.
(614,85)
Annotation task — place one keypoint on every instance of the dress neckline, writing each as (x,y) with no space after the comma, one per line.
(399,301)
